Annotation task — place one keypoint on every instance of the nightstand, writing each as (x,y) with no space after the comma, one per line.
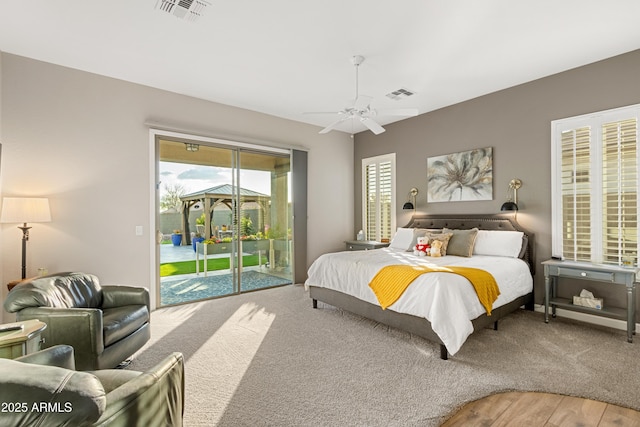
(625,277)
(22,341)
(364,245)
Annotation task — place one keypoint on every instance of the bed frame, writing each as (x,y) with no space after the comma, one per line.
(419,325)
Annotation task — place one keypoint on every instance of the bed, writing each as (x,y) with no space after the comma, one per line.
(440,307)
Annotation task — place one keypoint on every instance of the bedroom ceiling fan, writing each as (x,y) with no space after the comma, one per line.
(360,108)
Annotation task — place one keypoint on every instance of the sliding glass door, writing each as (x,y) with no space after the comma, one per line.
(264,219)
(224,219)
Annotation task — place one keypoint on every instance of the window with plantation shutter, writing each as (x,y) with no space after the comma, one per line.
(378,196)
(595,187)
(576,193)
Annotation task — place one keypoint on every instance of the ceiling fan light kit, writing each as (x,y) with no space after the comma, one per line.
(357,60)
(361,108)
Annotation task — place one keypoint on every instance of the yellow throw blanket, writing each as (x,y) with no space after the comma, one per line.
(391,282)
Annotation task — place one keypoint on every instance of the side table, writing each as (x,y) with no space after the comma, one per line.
(614,275)
(22,341)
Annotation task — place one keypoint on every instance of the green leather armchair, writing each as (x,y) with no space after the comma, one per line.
(43,389)
(104,324)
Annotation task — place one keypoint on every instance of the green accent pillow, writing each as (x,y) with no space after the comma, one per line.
(461,242)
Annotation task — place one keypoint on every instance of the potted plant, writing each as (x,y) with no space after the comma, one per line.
(200,222)
(196,239)
(176,238)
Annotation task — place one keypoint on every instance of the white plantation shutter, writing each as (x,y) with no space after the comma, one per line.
(385,198)
(378,196)
(620,186)
(371,201)
(576,194)
(595,186)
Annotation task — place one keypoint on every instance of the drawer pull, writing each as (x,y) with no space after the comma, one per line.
(583,274)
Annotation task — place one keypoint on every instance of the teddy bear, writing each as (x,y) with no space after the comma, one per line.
(436,248)
(422,248)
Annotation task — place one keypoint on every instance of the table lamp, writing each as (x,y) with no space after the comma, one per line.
(24,210)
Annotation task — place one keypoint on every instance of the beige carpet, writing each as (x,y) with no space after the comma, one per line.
(268,359)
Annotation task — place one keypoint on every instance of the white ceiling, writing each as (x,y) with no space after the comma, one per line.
(286,57)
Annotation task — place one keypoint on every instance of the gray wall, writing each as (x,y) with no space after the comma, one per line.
(81,139)
(516,122)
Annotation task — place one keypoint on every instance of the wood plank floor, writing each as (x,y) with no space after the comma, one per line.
(541,409)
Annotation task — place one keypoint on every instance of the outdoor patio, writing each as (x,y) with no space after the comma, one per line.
(183,288)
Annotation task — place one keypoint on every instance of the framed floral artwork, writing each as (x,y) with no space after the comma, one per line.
(463,176)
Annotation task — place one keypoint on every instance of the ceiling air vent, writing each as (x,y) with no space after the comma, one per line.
(399,94)
(189,10)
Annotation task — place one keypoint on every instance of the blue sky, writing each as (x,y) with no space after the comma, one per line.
(195,178)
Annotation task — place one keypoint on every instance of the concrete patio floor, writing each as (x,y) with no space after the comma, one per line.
(170,253)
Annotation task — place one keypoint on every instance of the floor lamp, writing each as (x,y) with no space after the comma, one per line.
(24,210)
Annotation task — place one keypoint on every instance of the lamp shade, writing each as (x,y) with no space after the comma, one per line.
(25,209)
(509,206)
(408,206)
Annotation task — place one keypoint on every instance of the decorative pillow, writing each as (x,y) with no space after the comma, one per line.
(443,237)
(404,239)
(499,243)
(462,242)
(429,230)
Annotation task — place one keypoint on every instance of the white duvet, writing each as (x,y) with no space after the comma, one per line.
(447,300)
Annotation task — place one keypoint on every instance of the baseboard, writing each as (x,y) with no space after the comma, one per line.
(589,318)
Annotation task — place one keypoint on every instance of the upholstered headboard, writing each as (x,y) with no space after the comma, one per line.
(481,222)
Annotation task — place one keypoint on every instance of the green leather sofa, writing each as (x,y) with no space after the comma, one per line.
(104,324)
(43,389)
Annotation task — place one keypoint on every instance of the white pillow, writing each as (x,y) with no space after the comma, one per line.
(498,243)
(404,239)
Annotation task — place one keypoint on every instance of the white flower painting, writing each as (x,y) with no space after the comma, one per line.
(463,176)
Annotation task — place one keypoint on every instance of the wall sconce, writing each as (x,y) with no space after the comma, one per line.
(510,205)
(192,147)
(411,204)
(24,210)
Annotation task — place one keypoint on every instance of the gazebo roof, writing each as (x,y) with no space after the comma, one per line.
(224,191)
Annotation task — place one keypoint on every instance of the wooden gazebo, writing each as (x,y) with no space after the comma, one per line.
(210,198)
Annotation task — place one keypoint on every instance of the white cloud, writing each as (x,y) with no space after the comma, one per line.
(195,178)
(206,173)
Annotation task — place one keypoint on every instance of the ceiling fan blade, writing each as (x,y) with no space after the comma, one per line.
(334,124)
(372,125)
(409,112)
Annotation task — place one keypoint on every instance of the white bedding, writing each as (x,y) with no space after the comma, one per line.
(447,300)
